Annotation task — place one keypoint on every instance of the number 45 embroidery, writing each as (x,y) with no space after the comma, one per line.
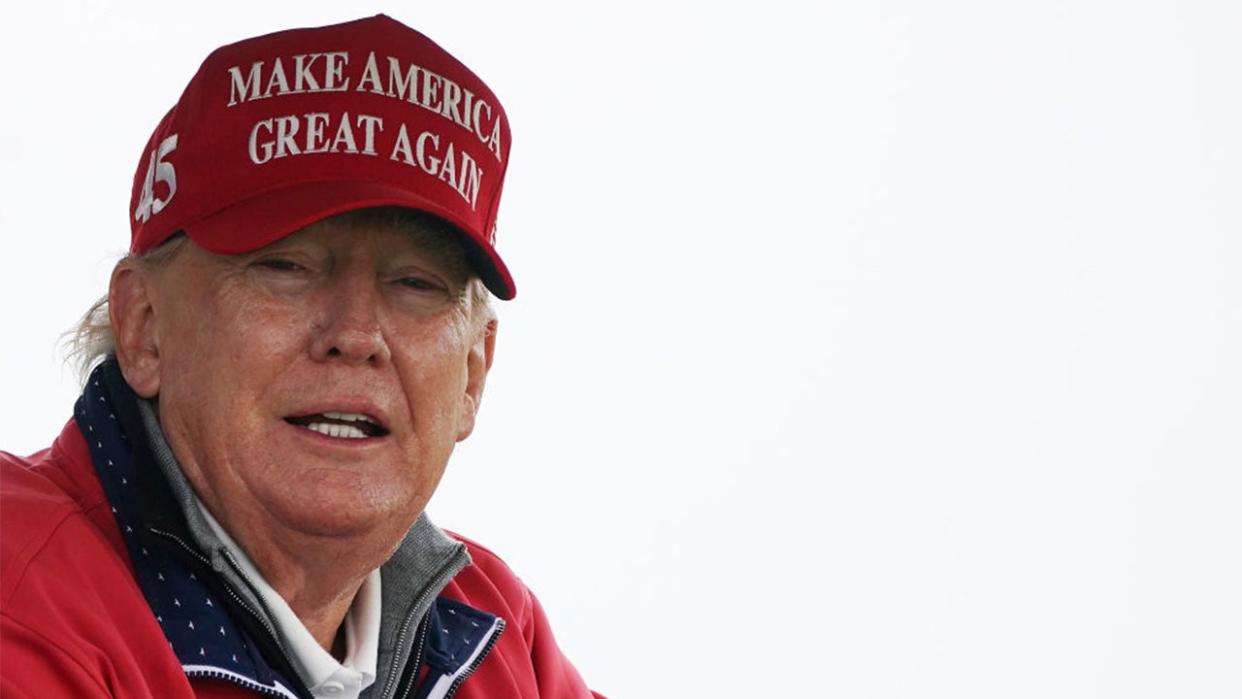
(157,171)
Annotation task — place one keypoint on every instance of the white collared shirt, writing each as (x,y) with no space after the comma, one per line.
(323,674)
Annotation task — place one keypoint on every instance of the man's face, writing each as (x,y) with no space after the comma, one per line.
(319,383)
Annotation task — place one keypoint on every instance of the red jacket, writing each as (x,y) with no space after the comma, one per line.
(74,621)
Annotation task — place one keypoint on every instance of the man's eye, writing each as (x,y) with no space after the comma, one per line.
(280,265)
(418,283)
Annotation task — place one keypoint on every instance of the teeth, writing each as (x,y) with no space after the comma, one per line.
(335,430)
(351,417)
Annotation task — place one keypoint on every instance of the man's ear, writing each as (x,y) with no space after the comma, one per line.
(478,363)
(133,326)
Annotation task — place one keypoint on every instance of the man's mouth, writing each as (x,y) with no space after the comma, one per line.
(340,425)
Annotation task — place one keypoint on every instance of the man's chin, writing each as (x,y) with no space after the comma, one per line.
(344,508)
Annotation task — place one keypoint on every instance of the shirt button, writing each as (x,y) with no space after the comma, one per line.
(333,687)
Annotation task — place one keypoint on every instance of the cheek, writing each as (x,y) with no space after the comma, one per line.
(433,388)
(432,371)
(236,347)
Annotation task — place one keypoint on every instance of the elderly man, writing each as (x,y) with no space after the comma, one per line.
(296,342)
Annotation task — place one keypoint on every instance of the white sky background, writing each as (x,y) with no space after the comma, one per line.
(884,349)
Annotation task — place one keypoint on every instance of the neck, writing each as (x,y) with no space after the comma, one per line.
(318,577)
(320,608)
(319,586)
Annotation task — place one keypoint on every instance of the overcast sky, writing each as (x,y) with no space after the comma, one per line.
(861,349)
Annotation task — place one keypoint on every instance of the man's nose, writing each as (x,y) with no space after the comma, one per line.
(348,328)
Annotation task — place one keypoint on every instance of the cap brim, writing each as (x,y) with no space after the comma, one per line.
(253,223)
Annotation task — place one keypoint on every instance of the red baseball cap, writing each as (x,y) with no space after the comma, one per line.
(279,131)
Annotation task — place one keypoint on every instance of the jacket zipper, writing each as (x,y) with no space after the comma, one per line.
(469,670)
(228,555)
(487,649)
(228,588)
(237,599)
(437,584)
(417,656)
(239,680)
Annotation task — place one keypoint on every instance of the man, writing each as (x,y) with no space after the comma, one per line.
(297,340)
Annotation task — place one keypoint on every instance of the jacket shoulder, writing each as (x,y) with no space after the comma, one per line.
(32,508)
(74,619)
(42,496)
(489,575)
(64,468)
(480,553)
(526,662)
